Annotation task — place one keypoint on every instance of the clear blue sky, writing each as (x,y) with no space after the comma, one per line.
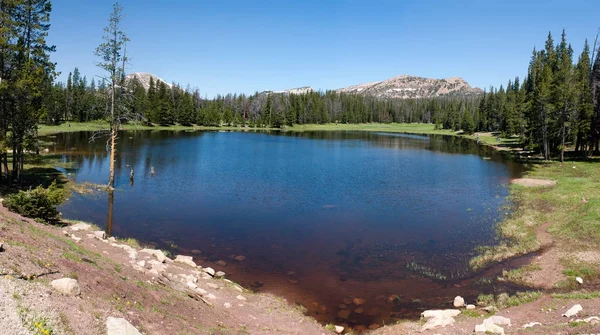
(247,46)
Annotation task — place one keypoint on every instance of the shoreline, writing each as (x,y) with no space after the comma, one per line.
(506,227)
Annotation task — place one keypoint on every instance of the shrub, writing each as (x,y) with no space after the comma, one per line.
(39,203)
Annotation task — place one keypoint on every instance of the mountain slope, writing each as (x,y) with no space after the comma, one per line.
(144,78)
(406,87)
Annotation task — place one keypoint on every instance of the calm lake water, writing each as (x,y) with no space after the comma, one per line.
(319,216)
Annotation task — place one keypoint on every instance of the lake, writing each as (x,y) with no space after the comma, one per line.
(321,217)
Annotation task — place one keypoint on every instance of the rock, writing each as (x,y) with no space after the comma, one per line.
(241,297)
(343,306)
(46,150)
(211,285)
(75,238)
(392,298)
(240,258)
(211,296)
(120,326)
(459,301)
(220,274)
(531,325)
(1,247)
(221,263)
(579,280)
(436,313)
(358,301)
(141,263)
(573,311)
(112,239)
(210,271)
(192,285)
(196,252)
(489,328)
(80,226)
(492,325)
(358,311)
(343,314)
(157,253)
(339,329)
(67,286)
(471,307)
(374,326)
(238,288)
(100,234)
(347,301)
(442,321)
(227,305)
(593,320)
(185,260)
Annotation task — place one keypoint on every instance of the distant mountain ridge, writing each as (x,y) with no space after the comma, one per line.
(144,78)
(407,87)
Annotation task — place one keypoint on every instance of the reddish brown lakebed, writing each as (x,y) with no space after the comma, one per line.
(380,225)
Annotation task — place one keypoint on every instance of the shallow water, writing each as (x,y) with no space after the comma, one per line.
(319,216)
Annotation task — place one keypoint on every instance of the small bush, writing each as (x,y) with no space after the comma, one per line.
(39,203)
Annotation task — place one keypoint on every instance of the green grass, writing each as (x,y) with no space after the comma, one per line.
(573,223)
(504,300)
(577,295)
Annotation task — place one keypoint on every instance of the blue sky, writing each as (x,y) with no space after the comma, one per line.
(246,46)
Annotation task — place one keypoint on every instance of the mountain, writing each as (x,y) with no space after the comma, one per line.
(144,78)
(406,87)
(299,90)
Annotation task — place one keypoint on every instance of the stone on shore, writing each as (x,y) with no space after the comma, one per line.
(579,280)
(339,329)
(435,313)
(66,286)
(220,274)
(120,326)
(573,311)
(436,322)
(492,325)
(80,226)
(459,301)
(185,260)
(471,307)
(100,234)
(157,253)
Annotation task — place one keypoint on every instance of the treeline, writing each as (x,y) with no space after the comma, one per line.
(26,79)
(556,105)
(166,104)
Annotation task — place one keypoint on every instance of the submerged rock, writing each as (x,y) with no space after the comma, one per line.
(343,314)
(240,258)
(358,301)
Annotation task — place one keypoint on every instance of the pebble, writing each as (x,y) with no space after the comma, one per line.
(339,329)
(471,307)
(227,305)
(220,274)
(579,280)
(241,297)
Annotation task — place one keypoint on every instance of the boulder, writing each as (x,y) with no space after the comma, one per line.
(492,325)
(436,322)
(100,234)
(573,311)
(66,286)
(459,301)
(220,274)
(120,326)
(471,307)
(241,297)
(339,329)
(157,253)
(185,260)
(80,226)
(593,320)
(435,313)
